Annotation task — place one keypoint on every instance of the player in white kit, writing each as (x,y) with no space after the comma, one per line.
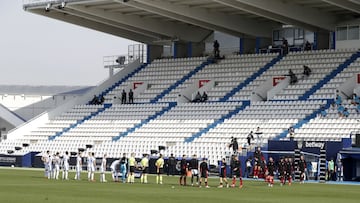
(103,169)
(51,167)
(78,166)
(65,163)
(45,159)
(56,162)
(114,172)
(91,166)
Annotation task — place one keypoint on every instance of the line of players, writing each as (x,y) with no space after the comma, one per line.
(285,169)
(53,163)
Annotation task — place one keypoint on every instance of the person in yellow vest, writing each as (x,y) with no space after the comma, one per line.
(132,163)
(159,169)
(145,168)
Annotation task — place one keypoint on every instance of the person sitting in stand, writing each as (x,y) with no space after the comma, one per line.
(338,100)
(355,99)
(293,78)
(323,112)
(197,97)
(102,99)
(204,97)
(307,46)
(94,100)
(306,71)
(346,113)
(341,110)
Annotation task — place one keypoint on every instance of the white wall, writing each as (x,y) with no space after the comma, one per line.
(346,44)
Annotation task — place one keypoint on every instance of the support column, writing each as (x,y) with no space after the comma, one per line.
(153,52)
(257,44)
(241,46)
(333,44)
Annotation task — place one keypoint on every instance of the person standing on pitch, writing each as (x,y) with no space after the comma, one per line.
(45,159)
(65,161)
(114,170)
(194,166)
(204,171)
(145,168)
(123,168)
(78,166)
(236,172)
(91,166)
(184,169)
(159,169)
(132,163)
(223,174)
(171,165)
(103,169)
(56,162)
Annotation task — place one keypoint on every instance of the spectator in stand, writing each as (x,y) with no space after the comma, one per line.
(307,46)
(102,99)
(355,99)
(123,97)
(293,78)
(291,131)
(346,113)
(131,97)
(216,49)
(250,137)
(358,108)
(285,46)
(197,97)
(323,112)
(341,110)
(204,97)
(258,134)
(95,100)
(306,71)
(338,100)
(234,144)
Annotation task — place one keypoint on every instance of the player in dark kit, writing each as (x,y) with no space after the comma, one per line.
(258,156)
(288,169)
(184,169)
(282,171)
(204,173)
(223,174)
(236,171)
(270,170)
(194,167)
(302,169)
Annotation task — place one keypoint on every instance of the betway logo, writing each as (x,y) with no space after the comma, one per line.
(320,145)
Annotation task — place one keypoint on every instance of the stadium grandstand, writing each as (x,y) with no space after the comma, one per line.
(256,83)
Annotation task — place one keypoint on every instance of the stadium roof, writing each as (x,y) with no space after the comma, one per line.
(161,21)
(42,90)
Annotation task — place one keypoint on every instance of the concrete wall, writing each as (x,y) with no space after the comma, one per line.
(154,52)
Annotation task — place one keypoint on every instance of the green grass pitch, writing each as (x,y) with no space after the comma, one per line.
(27,186)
